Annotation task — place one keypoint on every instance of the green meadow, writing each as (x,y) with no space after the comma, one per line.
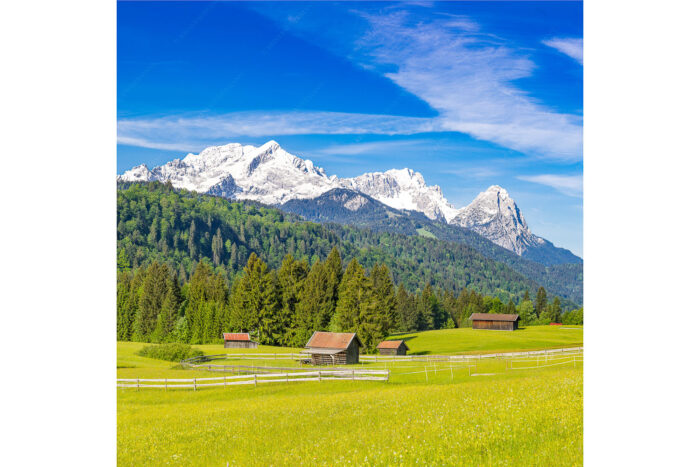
(437,413)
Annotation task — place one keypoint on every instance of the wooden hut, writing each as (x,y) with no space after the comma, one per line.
(498,321)
(238,340)
(397,347)
(333,348)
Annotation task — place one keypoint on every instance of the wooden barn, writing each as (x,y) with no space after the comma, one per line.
(238,340)
(397,347)
(501,322)
(333,348)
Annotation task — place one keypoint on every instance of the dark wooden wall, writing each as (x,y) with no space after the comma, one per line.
(240,345)
(499,325)
(400,351)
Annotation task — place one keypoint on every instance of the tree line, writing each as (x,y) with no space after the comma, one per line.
(284,306)
(158,223)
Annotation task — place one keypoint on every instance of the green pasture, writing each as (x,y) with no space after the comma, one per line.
(430,413)
(475,341)
(520,418)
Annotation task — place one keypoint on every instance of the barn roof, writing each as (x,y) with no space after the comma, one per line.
(236,336)
(493,317)
(391,344)
(331,340)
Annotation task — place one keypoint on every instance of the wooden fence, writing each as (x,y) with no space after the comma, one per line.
(255,379)
(388,358)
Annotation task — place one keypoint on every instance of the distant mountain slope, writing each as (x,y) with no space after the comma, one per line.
(270,175)
(155,221)
(349,207)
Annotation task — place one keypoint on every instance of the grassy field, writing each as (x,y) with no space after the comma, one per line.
(474,341)
(428,413)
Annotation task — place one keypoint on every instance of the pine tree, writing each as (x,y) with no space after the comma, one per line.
(351,295)
(510,308)
(406,310)
(290,278)
(526,296)
(382,294)
(541,301)
(155,287)
(427,308)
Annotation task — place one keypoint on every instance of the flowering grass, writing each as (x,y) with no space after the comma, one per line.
(474,341)
(532,418)
(430,413)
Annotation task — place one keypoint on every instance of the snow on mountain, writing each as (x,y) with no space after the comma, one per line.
(494,215)
(273,176)
(403,189)
(268,173)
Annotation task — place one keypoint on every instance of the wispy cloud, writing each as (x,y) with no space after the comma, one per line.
(196,131)
(570,185)
(571,47)
(371,147)
(467,77)
(465,74)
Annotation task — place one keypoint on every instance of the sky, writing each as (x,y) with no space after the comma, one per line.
(470,94)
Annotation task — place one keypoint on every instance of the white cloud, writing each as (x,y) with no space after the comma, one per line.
(468,78)
(463,73)
(570,185)
(571,47)
(370,147)
(187,132)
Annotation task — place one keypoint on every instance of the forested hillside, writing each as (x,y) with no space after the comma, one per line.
(192,266)
(565,280)
(179,228)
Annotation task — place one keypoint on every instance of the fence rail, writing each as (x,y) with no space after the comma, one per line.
(255,379)
(383,358)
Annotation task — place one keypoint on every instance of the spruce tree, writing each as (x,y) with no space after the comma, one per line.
(541,301)
(382,294)
(352,293)
(290,278)
(155,288)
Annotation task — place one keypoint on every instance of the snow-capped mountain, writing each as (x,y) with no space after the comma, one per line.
(268,173)
(404,189)
(494,215)
(271,175)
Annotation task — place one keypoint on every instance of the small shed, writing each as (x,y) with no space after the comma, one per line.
(498,321)
(396,347)
(333,348)
(238,340)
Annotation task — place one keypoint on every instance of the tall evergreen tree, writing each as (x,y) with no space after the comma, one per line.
(290,278)
(427,308)
(382,293)
(352,293)
(406,310)
(155,288)
(540,301)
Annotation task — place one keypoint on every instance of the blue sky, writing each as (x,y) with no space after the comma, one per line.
(470,94)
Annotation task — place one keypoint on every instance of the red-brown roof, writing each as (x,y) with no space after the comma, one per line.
(493,317)
(236,336)
(391,345)
(331,340)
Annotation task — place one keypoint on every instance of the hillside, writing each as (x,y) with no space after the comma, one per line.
(344,206)
(155,221)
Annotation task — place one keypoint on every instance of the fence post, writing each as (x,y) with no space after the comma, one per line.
(319,376)
(353,374)
(255,379)
(426,373)
(195,383)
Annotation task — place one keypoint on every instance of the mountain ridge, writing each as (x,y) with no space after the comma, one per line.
(272,176)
